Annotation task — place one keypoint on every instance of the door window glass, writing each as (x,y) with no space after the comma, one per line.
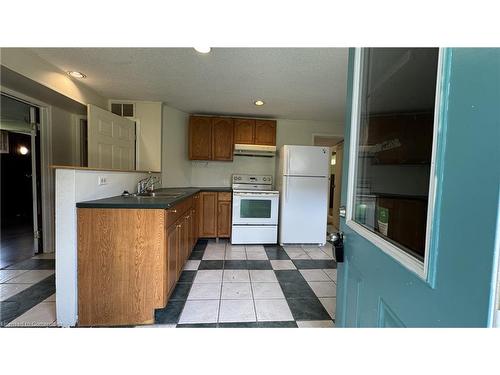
(255,208)
(396,120)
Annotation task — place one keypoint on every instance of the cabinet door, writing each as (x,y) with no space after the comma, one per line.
(265,132)
(222,138)
(244,131)
(208,214)
(200,136)
(223,219)
(192,221)
(196,217)
(172,256)
(182,244)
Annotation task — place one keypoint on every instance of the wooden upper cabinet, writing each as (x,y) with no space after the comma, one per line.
(265,132)
(200,138)
(244,131)
(222,138)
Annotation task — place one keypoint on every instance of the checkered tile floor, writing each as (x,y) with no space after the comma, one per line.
(223,285)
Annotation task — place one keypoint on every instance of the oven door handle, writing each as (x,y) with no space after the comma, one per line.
(254,194)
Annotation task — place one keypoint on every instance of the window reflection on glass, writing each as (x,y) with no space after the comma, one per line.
(397,100)
(255,208)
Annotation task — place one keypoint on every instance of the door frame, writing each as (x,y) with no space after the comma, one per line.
(46,173)
(426,269)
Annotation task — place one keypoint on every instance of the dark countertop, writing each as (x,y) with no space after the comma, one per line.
(157,202)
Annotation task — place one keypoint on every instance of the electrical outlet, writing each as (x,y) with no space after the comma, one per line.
(102,180)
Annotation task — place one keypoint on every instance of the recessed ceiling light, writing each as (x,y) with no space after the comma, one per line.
(75,74)
(202,49)
(259,102)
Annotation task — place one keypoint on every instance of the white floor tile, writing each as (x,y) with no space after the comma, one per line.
(314,275)
(323,288)
(296,253)
(6,275)
(237,311)
(257,255)
(327,250)
(315,324)
(263,276)
(214,255)
(45,256)
(235,247)
(251,248)
(267,291)
(236,276)
(200,312)
(236,255)
(317,254)
(192,265)
(269,310)
(236,291)
(208,276)
(283,265)
(332,273)
(31,277)
(51,298)
(41,315)
(205,291)
(9,290)
(157,326)
(330,305)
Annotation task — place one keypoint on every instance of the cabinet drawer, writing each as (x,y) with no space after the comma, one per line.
(175,212)
(224,196)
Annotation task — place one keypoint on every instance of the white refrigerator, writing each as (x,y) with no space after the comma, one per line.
(303,181)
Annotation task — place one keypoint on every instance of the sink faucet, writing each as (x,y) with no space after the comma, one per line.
(147,184)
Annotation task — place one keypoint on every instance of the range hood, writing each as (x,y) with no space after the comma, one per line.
(255,150)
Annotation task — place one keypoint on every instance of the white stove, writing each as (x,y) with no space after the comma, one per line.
(255,210)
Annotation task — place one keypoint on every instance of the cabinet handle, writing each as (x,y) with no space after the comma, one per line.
(173,211)
(178,226)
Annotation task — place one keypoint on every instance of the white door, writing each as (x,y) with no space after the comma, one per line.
(306,160)
(111,140)
(303,210)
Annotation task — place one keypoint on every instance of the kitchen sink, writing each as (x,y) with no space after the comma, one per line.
(159,194)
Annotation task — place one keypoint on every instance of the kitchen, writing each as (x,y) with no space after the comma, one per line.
(205,147)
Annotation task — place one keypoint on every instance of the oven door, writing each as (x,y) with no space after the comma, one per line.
(257,208)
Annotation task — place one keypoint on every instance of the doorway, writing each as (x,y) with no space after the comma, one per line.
(20,181)
(336,144)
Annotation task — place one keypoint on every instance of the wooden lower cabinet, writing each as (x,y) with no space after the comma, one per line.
(129,260)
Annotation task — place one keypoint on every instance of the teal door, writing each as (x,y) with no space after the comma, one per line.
(421,184)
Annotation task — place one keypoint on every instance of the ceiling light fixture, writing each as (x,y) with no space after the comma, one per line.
(23,150)
(76,74)
(203,49)
(258,103)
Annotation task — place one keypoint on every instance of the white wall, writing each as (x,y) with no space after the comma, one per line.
(63,137)
(29,64)
(74,186)
(149,139)
(178,170)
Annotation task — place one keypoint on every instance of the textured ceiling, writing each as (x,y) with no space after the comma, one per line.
(295,83)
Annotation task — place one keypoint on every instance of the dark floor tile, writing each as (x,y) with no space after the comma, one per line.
(180,292)
(314,263)
(276,253)
(169,314)
(211,265)
(290,276)
(187,277)
(235,265)
(196,255)
(259,265)
(197,325)
(239,325)
(34,264)
(297,290)
(277,325)
(307,309)
(202,241)
(21,302)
